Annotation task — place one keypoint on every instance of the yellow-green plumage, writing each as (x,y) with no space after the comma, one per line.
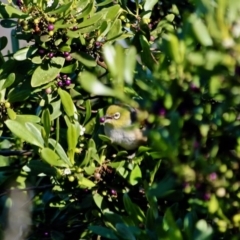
(118,126)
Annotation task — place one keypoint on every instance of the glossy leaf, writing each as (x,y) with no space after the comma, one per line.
(51,157)
(104,232)
(67,102)
(60,151)
(90,83)
(135,175)
(46,73)
(3,42)
(21,131)
(9,81)
(25,53)
(84,58)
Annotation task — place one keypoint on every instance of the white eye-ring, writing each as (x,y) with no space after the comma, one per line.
(116,115)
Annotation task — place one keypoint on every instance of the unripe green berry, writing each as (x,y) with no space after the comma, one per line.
(52,19)
(51,33)
(71,178)
(36,21)
(7,105)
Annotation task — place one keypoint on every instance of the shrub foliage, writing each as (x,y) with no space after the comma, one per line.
(177,60)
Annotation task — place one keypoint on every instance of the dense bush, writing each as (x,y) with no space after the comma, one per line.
(61,178)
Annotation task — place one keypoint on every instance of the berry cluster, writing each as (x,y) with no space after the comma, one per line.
(63,80)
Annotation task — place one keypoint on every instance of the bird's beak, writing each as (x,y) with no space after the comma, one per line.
(104,119)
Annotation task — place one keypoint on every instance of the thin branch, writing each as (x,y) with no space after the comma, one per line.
(84,109)
(27,189)
(8,153)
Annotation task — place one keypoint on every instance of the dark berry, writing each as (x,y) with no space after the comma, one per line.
(68,82)
(50,27)
(102,119)
(64,77)
(60,83)
(19,3)
(75,28)
(98,44)
(65,54)
(41,51)
(51,55)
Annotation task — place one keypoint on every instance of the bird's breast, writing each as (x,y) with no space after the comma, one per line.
(129,139)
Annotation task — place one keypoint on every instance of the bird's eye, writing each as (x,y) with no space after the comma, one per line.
(116,115)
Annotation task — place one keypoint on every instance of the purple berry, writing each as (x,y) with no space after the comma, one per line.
(19,3)
(98,44)
(51,55)
(162,112)
(113,192)
(64,77)
(206,196)
(41,51)
(50,27)
(68,82)
(102,119)
(75,28)
(65,54)
(60,83)
(212,176)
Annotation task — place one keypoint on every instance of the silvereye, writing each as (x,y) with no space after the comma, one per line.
(120,128)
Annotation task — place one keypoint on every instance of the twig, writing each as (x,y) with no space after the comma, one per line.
(8,153)
(26,189)
(102,64)
(84,109)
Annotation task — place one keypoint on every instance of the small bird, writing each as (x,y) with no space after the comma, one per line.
(120,128)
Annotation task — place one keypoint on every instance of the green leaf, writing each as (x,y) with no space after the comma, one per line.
(84,58)
(67,102)
(98,199)
(189,222)
(104,232)
(115,30)
(90,83)
(171,226)
(62,9)
(86,183)
(146,54)
(203,231)
(21,131)
(104,3)
(60,151)
(163,188)
(25,53)
(133,210)
(46,120)
(13,12)
(135,175)
(39,166)
(72,136)
(148,6)
(88,111)
(123,230)
(28,118)
(9,81)
(91,21)
(130,64)
(8,23)
(51,157)
(46,73)
(37,60)
(3,42)
(11,114)
(70,68)
(200,30)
